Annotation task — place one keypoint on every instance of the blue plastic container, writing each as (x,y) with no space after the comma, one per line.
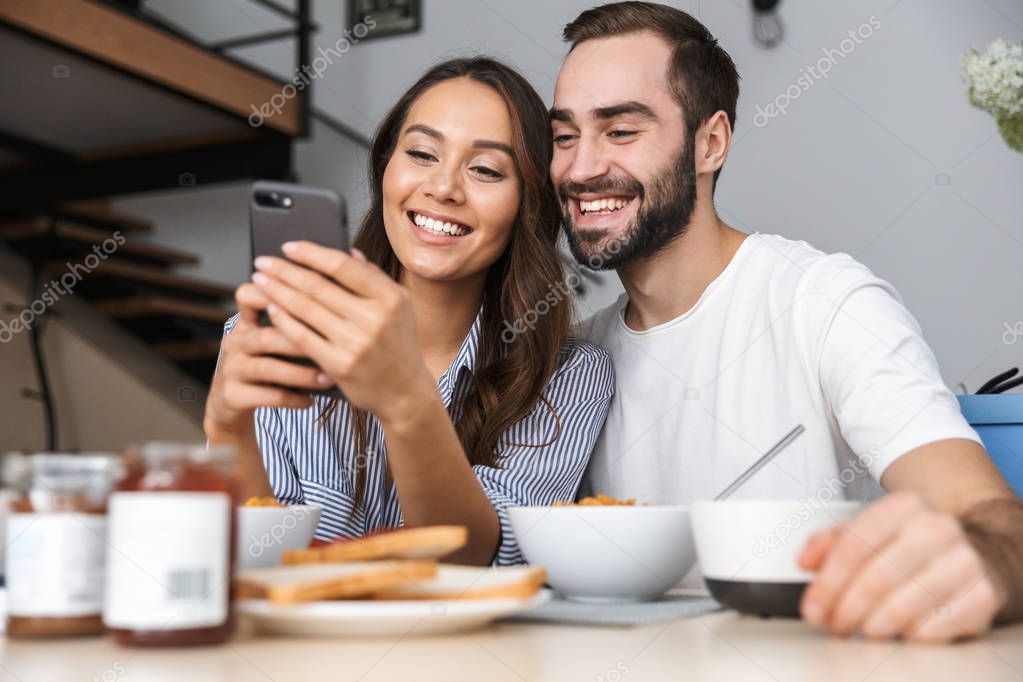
(998,419)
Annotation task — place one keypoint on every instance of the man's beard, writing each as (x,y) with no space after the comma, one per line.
(663,215)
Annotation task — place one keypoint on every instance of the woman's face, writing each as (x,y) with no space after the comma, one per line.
(450,189)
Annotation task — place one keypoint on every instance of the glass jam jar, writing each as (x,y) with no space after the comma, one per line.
(56,530)
(171,550)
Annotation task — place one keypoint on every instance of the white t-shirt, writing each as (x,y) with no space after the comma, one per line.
(785,335)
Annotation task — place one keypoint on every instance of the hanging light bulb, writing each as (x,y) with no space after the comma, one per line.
(767,27)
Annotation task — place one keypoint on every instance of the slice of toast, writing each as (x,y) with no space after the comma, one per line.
(429,542)
(310,582)
(469,582)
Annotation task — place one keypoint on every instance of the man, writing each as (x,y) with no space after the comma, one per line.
(724,341)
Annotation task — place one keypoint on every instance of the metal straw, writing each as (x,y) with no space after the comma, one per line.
(760,463)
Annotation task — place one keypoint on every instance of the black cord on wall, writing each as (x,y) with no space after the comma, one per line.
(44,395)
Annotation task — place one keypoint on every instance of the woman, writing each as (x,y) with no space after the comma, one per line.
(451,415)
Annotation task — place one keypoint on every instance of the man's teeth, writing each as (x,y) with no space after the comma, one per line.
(602,206)
(439,226)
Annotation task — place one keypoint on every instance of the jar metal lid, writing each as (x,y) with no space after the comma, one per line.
(62,472)
(160,452)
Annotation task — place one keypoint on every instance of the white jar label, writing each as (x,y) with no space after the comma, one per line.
(168,560)
(54,564)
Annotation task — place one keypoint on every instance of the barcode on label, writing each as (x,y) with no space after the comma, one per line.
(188,585)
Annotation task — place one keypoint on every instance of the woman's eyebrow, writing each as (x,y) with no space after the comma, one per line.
(477,144)
(425,130)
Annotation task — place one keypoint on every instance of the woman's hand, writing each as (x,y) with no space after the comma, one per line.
(354,321)
(245,378)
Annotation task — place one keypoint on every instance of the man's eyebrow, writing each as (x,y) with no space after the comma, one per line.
(478,144)
(562,115)
(630,107)
(611,111)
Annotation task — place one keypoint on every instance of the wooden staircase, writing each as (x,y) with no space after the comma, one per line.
(179,316)
(107,100)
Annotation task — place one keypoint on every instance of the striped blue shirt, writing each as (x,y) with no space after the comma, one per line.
(310,463)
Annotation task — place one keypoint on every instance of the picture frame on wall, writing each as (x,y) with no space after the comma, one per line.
(389,17)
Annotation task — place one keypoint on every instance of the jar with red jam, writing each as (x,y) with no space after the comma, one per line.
(171,547)
(56,532)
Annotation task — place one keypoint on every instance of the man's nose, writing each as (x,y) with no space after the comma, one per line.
(588,163)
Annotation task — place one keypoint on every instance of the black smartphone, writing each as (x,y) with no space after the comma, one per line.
(281,212)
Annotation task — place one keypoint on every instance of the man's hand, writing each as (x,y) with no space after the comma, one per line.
(900,569)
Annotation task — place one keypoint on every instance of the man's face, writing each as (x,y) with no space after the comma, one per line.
(623,167)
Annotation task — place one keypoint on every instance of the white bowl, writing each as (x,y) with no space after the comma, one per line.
(749,549)
(607,554)
(265,533)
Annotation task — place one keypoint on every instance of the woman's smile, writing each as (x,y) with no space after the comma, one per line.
(435,228)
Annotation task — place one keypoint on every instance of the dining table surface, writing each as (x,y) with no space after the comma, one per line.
(718,646)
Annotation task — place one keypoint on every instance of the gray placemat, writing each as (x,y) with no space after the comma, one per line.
(561,610)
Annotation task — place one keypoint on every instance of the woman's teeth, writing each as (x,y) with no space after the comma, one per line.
(439,226)
(602,206)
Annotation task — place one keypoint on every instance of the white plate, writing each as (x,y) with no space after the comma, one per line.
(377,618)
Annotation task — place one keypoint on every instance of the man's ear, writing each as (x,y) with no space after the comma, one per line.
(713,140)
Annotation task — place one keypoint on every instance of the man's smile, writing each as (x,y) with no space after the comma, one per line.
(601,210)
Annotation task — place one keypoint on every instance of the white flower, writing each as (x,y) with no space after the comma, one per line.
(995,78)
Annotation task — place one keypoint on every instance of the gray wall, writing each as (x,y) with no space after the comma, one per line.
(884,159)
(213,221)
(109,389)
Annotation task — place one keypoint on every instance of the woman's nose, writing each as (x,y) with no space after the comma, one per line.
(444,185)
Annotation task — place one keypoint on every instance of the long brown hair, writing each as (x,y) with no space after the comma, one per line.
(510,376)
